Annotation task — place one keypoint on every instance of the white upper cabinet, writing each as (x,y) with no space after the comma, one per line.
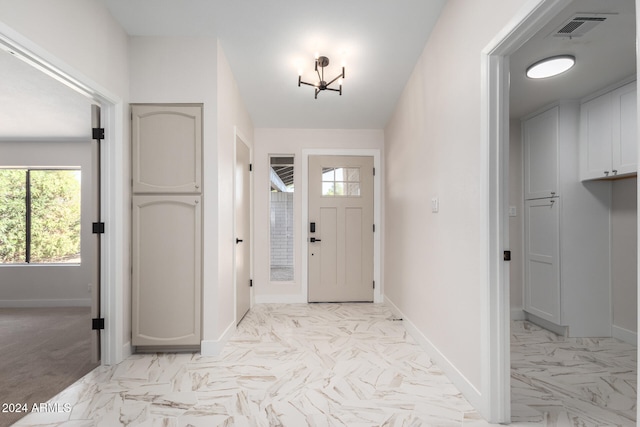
(166,149)
(540,137)
(625,130)
(608,135)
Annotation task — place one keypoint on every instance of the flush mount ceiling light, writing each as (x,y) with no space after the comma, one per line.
(321,84)
(550,67)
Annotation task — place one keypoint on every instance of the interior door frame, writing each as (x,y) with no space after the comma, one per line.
(115,207)
(239,138)
(496,357)
(377,213)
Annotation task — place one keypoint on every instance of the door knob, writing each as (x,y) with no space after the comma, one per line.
(313,240)
(238,240)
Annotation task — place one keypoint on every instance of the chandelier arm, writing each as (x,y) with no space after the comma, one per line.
(332,89)
(337,77)
(305,83)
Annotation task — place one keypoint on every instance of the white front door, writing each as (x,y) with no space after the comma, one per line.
(340,230)
(243,229)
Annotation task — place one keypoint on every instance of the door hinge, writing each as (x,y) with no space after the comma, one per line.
(251,283)
(374,228)
(506,255)
(97,324)
(98,228)
(374,284)
(374,171)
(97,133)
(250,167)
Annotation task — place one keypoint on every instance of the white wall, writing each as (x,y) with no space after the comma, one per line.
(195,70)
(624,252)
(52,285)
(80,33)
(435,262)
(219,316)
(292,142)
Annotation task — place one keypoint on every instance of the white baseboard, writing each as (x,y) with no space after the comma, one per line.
(625,335)
(38,303)
(127,350)
(470,392)
(214,347)
(517,313)
(550,326)
(279,299)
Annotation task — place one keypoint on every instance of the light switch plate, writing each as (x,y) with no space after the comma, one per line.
(513,211)
(435,205)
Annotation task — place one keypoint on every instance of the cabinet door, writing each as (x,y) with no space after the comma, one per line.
(624,137)
(542,263)
(595,138)
(540,139)
(166,256)
(166,148)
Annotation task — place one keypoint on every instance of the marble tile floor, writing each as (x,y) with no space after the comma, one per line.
(291,365)
(571,381)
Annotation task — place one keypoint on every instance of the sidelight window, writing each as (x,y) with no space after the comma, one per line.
(281,211)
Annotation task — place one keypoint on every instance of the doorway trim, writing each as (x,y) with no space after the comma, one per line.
(495,164)
(377,213)
(114,251)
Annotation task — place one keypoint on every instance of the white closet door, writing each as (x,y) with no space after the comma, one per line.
(166,255)
(540,137)
(166,148)
(542,261)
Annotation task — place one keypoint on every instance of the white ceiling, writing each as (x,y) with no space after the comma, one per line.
(266,42)
(604,55)
(35,106)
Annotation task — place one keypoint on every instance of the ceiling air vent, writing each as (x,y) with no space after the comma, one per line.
(579,24)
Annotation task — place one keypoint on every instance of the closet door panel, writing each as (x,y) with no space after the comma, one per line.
(540,136)
(542,262)
(625,134)
(166,148)
(166,252)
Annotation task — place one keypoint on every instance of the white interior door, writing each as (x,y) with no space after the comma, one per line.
(340,256)
(243,229)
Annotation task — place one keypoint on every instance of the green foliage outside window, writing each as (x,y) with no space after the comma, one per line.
(54,216)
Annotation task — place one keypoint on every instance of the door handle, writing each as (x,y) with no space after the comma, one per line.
(313,240)
(238,240)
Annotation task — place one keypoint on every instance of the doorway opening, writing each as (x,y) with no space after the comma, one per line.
(497,106)
(113,346)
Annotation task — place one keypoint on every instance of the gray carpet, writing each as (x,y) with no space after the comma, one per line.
(42,352)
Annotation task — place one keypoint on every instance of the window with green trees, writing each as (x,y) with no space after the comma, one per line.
(39,216)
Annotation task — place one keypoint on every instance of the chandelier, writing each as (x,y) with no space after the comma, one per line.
(321,84)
